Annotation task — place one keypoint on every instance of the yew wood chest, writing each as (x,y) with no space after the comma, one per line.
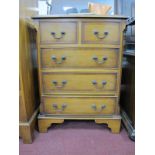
(79,59)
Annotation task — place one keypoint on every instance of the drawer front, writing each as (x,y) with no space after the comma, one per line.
(101,32)
(80,57)
(75,82)
(79,105)
(58,32)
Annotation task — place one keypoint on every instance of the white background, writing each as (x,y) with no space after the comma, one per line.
(145,77)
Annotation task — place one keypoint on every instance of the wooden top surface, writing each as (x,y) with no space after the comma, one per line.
(80,16)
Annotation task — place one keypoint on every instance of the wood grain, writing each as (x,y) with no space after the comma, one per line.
(26,129)
(113,29)
(78,69)
(70,29)
(27,101)
(79,105)
(46,121)
(80,58)
(76,82)
(26,72)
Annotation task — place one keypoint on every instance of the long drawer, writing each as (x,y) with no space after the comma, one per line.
(79,105)
(79,82)
(80,58)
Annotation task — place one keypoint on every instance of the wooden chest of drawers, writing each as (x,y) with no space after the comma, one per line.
(79,59)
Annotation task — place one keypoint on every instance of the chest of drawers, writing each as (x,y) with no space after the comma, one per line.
(79,59)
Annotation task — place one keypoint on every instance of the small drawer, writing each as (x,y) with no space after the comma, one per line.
(101,33)
(80,58)
(79,82)
(58,32)
(79,105)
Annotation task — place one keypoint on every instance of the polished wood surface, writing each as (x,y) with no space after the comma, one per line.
(80,58)
(71,81)
(22,111)
(79,105)
(82,82)
(57,28)
(26,73)
(26,129)
(45,122)
(101,28)
(94,16)
(27,100)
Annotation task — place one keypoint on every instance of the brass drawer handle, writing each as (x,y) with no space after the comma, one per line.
(64,82)
(94,107)
(54,59)
(95,83)
(55,106)
(63,107)
(104,83)
(104,59)
(97,34)
(55,36)
(103,106)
